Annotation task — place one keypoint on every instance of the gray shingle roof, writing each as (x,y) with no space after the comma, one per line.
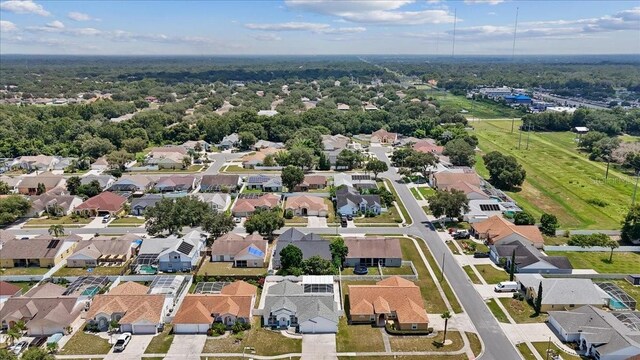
(291,296)
(311,245)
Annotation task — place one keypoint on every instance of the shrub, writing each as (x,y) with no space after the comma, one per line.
(288,214)
(239,327)
(217,329)
(597,202)
(393,331)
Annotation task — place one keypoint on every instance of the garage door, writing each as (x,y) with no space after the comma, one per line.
(144,329)
(191,328)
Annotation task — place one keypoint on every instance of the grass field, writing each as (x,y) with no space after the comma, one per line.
(474,342)
(421,343)
(633,291)
(479,109)
(455,305)
(160,343)
(492,275)
(496,311)
(24,271)
(126,222)
(543,346)
(358,338)
(426,191)
(472,275)
(403,210)
(525,352)
(265,342)
(416,194)
(64,221)
(567,186)
(85,344)
(522,312)
(623,262)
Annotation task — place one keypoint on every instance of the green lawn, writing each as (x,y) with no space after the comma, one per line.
(82,343)
(422,343)
(433,300)
(570,190)
(416,194)
(481,109)
(472,275)
(331,218)
(470,246)
(24,285)
(525,352)
(390,216)
(64,220)
(190,169)
(522,312)
(623,262)
(226,268)
(358,338)
(160,343)
(426,191)
(100,270)
(126,221)
(240,169)
(402,270)
(24,271)
(475,343)
(555,240)
(542,350)
(497,311)
(296,221)
(453,248)
(373,270)
(492,275)
(404,211)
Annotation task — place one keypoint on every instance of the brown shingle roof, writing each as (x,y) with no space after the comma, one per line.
(43,247)
(31,182)
(232,244)
(221,180)
(106,201)
(7,289)
(315,203)
(129,288)
(373,247)
(315,180)
(497,228)
(239,288)
(136,307)
(446,178)
(248,205)
(235,299)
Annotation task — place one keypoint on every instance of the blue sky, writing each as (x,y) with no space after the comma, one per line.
(310,27)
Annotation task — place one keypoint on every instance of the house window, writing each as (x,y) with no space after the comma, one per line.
(414,326)
(372,318)
(572,305)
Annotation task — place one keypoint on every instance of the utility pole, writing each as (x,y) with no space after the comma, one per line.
(513,121)
(528,136)
(442,272)
(548,348)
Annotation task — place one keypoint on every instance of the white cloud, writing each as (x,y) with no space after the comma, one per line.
(489,2)
(56,24)
(372,11)
(7,26)
(289,26)
(23,7)
(266,37)
(78,16)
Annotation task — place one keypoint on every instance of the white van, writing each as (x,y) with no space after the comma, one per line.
(506,286)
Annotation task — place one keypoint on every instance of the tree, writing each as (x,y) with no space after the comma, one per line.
(13,207)
(56,230)
(339,252)
(537,306)
(460,153)
(13,334)
(512,265)
(290,258)
(169,215)
(612,244)
(446,316)
(96,147)
(451,204)
(216,224)
(323,162)
(37,354)
(52,348)
(302,156)
(291,177)
(119,158)
(186,162)
(89,190)
(504,171)
(421,162)
(134,145)
(247,140)
(7,355)
(631,225)
(265,222)
(548,224)
(4,188)
(349,159)
(524,218)
(316,265)
(73,183)
(376,166)
(41,189)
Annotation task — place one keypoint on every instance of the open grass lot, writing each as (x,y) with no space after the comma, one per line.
(226,268)
(565,187)
(623,262)
(358,338)
(423,343)
(391,216)
(126,221)
(160,343)
(373,270)
(402,270)
(82,343)
(525,352)
(522,312)
(476,109)
(474,342)
(100,270)
(24,271)
(496,311)
(433,300)
(266,342)
(492,275)
(455,305)
(472,275)
(542,350)
(64,220)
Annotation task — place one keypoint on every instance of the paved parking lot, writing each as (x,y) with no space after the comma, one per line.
(134,349)
(186,347)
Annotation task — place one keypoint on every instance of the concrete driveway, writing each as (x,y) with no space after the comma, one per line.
(186,347)
(319,347)
(134,349)
(317,222)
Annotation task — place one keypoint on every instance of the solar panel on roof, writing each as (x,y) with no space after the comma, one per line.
(489,207)
(53,244)
(185,248)
(255,251)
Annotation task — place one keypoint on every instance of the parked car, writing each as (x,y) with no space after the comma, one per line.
(122,342)
(461,234)
(343,222)
(479,254)
(360,270)
(20,347)
(106,218)
(349,217)
(506,286)
(237,220)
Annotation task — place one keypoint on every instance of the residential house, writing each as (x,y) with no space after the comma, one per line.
(198,312)
(343,107)
(312,182)
(220,183)
(310,244)
(139,205)
(29,184)
(443,179)
(62,163)
(100,164)
(562,293)
(254,159)
(392,299)
(305,205)
(103,250)
(191,145)
(102,204)
(42,251)
(217,201)
(229,142)
(5,236)
(358,181)
(599,334)
(44,309)
(382,136)
(167,160)
(373,251)
(264,182)
(247,204)
(296,305)
(56,204)
(174,253)
(263,144)
(12,182)
(473,192)
(528,258)
(131,306)
(428,146)
(496,229)
(176,183)
(8,290)
(248,251)
(35,163)
(350,202)
(136,184)
(482,210)
(370,107)
(333,145)
(105,181)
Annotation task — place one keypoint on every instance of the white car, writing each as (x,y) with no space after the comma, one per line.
(122,342)
(106,218)
(19,347)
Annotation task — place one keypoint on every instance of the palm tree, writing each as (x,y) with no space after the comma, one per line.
(20,326)
(12,335)
(446,316)
(54,210)
(612,244)
(56,230)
